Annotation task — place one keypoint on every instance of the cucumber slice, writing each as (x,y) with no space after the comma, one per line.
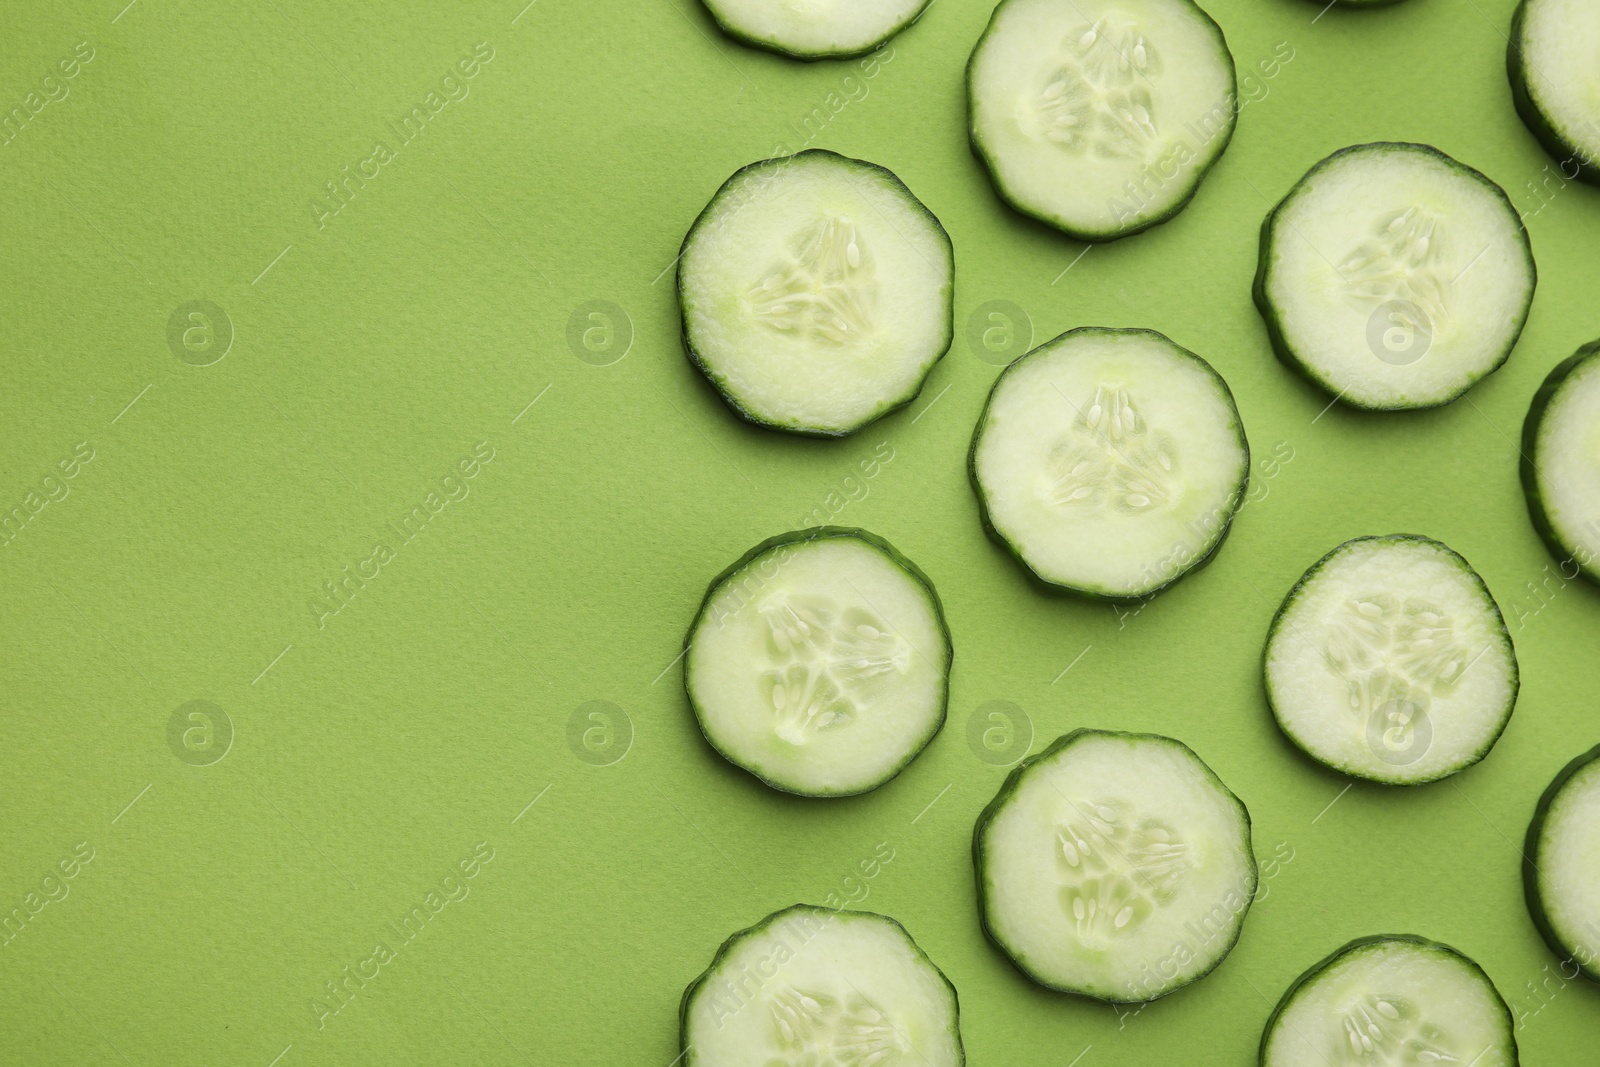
(1393,999)
(1114,865)
(1109,462)
(820,662)
(810,985)
(1554,81)
(1100,117)
(1394,276)
(1561,871)
(815,292)
(1561,461)
(815,29)
(1389,661)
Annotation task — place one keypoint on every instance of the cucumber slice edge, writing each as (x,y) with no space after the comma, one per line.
(1294,594)
(807,536)
(1008,789)
(1269,313)
(717,381)
(1530,864)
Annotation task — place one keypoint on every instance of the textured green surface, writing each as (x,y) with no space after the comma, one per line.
(380,749)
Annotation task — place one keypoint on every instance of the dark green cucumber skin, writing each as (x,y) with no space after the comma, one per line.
(1009,786)
(1058,588)
(1563,552)
(1269,314)
(808,536)
(1363,942)
(1530,867)
(1294,594)
(889,407)
(975,142)
(693,987)
(810,57)
(1549,138)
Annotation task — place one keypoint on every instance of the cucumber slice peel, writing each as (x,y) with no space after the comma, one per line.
(819,662)
(815,292)
(1390,661)
(1393,995)
(814,982)
(1394,277)
(1561,864)
(1110,859)
(1560,462)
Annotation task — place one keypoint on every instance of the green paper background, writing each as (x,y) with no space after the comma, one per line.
(373,753)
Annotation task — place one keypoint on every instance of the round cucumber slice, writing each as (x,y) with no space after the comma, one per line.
(1394,276)
(815,293)
(815,29)
(811,985)
(1100,117)
(1561,872)
(1392,999)
(1114,865)
(1561,461)
(1109,462)
(1390,661)
(820,662)
(1554,80)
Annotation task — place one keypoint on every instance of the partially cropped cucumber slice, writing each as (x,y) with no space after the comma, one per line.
(815,292)
(820,662)
(1561,461)
(1100,117)
(1555,82)
(1394,999)
(811,985)
(1390,661)
(1110,462)
(1114,865)
(1394,276)
(815,29)
(1561,872)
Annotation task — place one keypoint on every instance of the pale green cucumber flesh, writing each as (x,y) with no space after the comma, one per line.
(1555,82)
